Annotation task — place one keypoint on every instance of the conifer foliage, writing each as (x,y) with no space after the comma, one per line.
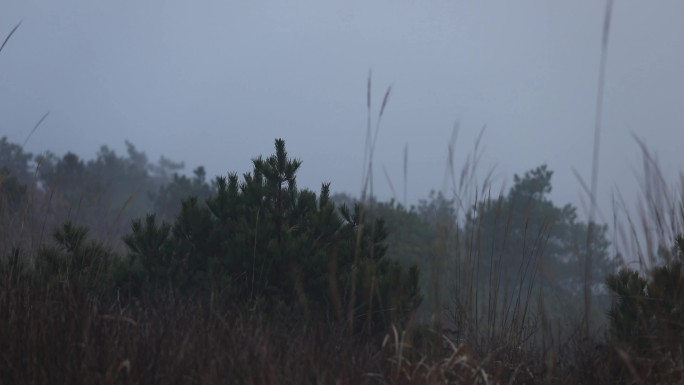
(263,239)
(648,309)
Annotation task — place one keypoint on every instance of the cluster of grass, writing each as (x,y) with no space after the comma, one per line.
(70,336)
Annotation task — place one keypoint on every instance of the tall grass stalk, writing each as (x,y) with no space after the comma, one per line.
(367,186)
(9,35)
(595,166)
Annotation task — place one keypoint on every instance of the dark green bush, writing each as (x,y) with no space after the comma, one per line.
(74,260)
(647,315)
(264,240)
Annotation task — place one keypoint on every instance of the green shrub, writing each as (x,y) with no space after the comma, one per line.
(648,310)
(74,260)
(264,240)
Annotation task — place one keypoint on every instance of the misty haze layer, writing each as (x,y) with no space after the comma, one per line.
(214,82)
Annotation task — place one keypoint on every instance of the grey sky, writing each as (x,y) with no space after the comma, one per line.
(214,82)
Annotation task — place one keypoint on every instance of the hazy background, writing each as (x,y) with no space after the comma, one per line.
(214,82)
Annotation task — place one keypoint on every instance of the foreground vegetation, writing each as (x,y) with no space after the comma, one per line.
(252,280)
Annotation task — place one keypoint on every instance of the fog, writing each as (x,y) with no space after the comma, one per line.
(213,83)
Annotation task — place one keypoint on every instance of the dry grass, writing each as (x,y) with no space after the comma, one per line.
(69,336)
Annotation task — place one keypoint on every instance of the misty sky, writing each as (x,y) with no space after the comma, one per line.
(215,82)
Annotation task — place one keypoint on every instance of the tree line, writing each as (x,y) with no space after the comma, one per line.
(504,266)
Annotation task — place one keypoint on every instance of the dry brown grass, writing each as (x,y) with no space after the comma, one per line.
(64,335)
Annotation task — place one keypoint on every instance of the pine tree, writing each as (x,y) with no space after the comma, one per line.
(263,239)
